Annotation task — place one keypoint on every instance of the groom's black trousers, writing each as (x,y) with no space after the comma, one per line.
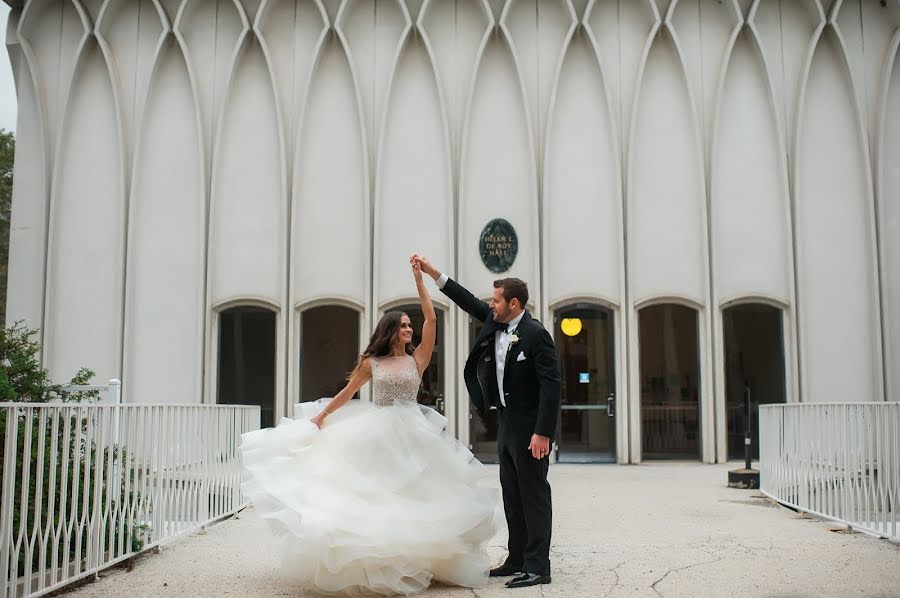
(526,495)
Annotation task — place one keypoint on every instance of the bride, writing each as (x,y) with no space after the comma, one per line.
(375,498)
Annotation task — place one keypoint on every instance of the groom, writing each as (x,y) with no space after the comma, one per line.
(513,367)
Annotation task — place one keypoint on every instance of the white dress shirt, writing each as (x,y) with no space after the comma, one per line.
(501,343)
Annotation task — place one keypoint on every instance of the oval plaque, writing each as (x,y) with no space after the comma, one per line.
(498,245)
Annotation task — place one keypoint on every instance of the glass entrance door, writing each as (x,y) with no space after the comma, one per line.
(585,339)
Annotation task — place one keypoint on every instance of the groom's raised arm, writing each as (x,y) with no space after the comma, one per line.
(457,293)
(463,298)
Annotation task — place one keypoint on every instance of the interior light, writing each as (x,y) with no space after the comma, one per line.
(571,326)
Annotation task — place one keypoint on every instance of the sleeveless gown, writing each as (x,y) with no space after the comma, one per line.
(381,500)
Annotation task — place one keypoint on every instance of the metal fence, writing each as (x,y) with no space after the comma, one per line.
(87,485)
(836,461)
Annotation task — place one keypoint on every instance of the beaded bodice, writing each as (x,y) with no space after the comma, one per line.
(394,380)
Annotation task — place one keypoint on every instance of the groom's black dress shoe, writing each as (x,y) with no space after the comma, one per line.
(528,579)
(506,570)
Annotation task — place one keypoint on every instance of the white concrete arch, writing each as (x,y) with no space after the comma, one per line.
(455,56)
(539,31)
(854,75)
(441,303)
(751,225)
(679,227)
(413,174)
(331,141)
(757,298)
(212,52)
(602,300)
(582,204)
(321,301)
(887,179)
(754,99)
(163,300)
(31,188)
(291,34)
(831,236)
(753,30)
(877,25)
(498,166)
(247,231)
(373,39)
(131,35)
(52,34)
(87,220)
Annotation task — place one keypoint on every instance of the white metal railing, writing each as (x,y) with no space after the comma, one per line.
(87,485)
(836,461)
(111,393)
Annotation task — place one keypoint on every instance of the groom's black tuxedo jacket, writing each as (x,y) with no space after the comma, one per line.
(530,382)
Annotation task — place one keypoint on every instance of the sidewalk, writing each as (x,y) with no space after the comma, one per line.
(647,530)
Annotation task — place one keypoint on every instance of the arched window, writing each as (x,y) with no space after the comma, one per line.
(329,348)
(246,366)
(754,365)
(669,382)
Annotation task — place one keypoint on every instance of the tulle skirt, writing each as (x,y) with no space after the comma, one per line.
(381,500)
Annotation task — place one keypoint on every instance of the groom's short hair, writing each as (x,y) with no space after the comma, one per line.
(513,288)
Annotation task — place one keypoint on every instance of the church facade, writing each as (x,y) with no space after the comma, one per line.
(215,200)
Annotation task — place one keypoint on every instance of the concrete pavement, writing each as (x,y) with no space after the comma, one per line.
(647,530)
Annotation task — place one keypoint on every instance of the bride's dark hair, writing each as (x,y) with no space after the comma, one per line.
(386,333)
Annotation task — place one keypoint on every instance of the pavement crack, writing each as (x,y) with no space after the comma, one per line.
(615,572)
(658,593)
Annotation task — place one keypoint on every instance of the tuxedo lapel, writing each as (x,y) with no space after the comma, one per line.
(513,348)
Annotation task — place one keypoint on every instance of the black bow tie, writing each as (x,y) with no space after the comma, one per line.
(504,328)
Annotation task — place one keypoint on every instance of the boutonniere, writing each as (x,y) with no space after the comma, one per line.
(513,339)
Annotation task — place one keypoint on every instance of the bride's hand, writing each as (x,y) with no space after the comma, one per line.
(417,270)
(319,419)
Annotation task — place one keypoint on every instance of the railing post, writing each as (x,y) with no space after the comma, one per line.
(747,438)
(9,488)
(115,391)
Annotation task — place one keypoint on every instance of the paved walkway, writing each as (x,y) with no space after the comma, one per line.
(647,530)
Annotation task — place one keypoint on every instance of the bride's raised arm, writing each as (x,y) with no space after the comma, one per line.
(429,329)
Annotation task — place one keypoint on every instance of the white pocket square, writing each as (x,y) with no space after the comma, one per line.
(521,356)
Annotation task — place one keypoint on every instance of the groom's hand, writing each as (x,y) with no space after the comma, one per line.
(539,447)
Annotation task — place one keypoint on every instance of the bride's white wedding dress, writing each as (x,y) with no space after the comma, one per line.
(381,500)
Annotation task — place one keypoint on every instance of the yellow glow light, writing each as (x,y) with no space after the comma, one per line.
(571,326)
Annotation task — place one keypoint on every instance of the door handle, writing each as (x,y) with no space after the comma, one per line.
(611,405)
